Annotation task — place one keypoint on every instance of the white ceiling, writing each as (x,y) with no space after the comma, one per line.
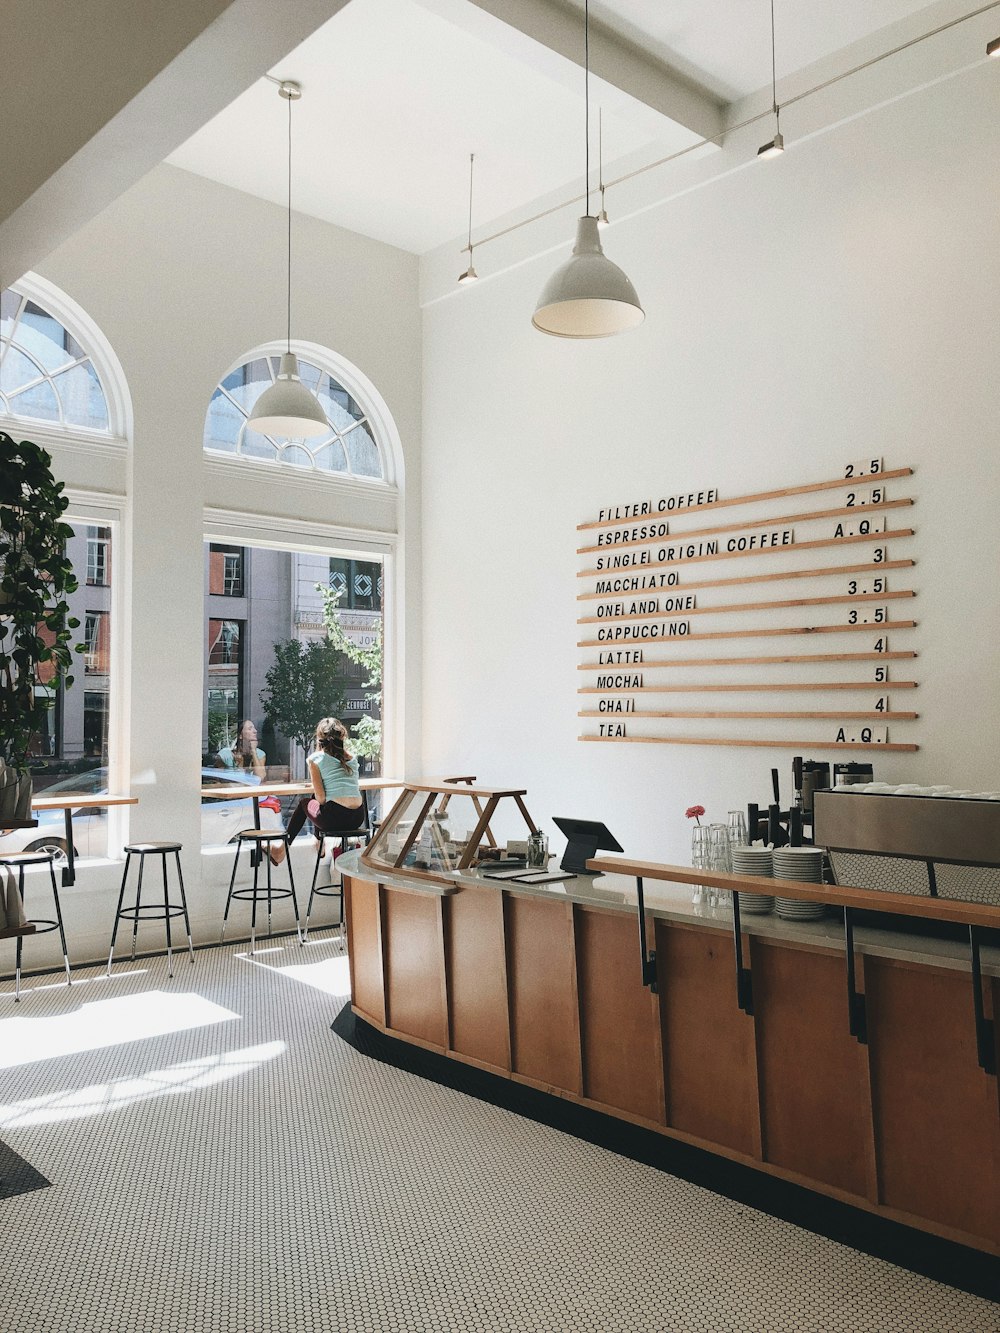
(725,45)
(397,93)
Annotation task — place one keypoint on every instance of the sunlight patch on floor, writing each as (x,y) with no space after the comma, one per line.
(101,1023)
(101,1098)
(330,975)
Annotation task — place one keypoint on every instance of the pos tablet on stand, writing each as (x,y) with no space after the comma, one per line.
(585,837)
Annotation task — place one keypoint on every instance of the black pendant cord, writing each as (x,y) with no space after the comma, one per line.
(472,158)
(586,89)
(288,311)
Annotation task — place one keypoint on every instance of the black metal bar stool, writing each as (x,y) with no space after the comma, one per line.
(154,911)
(365,832)
(259,841)
(17,861)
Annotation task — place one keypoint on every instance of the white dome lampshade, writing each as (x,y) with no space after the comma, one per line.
(589,296)
(287,407)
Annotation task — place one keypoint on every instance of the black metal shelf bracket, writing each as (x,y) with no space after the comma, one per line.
(986,1042)
(744,977)
(857,1014)
(648,958)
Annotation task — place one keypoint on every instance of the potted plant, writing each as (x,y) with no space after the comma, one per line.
(35,625)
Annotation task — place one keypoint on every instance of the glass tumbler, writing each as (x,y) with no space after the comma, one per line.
(720,859)
(701,858)
(738,836)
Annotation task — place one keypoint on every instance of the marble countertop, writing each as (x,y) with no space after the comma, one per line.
(672,902)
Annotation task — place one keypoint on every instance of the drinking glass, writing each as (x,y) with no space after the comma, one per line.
(719,859)
(701,858)
(738,835)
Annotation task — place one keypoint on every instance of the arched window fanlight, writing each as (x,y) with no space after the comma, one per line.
(348,448)
(45,375)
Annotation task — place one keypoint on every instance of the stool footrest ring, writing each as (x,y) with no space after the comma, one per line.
(150,912)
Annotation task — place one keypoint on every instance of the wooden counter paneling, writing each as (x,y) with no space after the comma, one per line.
(813,1076)
(708,1043)
(413,950)
(477,976)
(364,946)
(935,1110)
(549,992)
(619,1017)
(541,981)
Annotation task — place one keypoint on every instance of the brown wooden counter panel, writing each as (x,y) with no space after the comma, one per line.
(548,991)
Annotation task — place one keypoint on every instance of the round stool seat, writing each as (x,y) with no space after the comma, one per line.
(27,858)
(261,835)
(152,848)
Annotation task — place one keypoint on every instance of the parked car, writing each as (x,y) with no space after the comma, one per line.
(220,820)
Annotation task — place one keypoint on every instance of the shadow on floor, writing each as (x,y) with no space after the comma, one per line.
(17,1176)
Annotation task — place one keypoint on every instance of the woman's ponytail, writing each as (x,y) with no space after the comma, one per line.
(331,736)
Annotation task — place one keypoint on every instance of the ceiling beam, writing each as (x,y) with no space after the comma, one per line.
(614,60)
(95,96)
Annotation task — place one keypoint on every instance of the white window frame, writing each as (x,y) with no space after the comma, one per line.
(312,539)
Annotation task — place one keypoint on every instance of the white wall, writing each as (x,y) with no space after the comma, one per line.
(799,313)
(183,276)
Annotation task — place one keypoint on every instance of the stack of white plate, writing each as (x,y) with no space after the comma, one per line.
(753,861)
(802,863)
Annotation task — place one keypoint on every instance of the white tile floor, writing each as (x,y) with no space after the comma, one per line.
(221,1161)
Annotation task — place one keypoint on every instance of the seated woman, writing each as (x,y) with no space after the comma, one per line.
(243,752)
(333,771)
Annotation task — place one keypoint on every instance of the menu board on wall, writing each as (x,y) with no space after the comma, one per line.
(695,611)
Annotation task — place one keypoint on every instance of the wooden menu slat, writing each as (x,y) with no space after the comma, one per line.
(740,606)
(872,538)
(883,686)
(866,716)
(776,520)
(811,744)
(766,660)
(837,484)
(771,632)
(776,577)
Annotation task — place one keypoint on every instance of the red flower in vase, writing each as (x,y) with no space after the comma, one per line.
(694,812)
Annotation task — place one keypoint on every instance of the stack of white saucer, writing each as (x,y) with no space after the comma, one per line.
(802,863)
(753,861)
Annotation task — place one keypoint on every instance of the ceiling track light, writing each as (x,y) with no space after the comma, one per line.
(470,274)
(993,48)
(287,408)
(589,296)
(776,146)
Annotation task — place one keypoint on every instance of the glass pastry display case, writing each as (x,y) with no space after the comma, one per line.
(436,827)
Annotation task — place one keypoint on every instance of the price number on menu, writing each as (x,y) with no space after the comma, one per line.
(858,499)
(868,615)
(861,527)
(862,736)
(881,676)
(862,587)
(863,467)
(881,645)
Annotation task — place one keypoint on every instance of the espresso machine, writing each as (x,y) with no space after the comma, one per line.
(794,826)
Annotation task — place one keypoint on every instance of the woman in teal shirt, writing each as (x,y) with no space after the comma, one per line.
(333,771)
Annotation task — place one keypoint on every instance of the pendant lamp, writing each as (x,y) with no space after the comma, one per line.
(589,296)
(287,408)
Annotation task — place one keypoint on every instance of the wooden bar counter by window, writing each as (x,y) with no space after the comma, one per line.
(543,983)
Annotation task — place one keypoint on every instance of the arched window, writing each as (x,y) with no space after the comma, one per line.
(349,449)
(45,374)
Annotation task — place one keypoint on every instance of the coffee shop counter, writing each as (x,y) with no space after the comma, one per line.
(544,984)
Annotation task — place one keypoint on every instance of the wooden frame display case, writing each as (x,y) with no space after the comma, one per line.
(427,834)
